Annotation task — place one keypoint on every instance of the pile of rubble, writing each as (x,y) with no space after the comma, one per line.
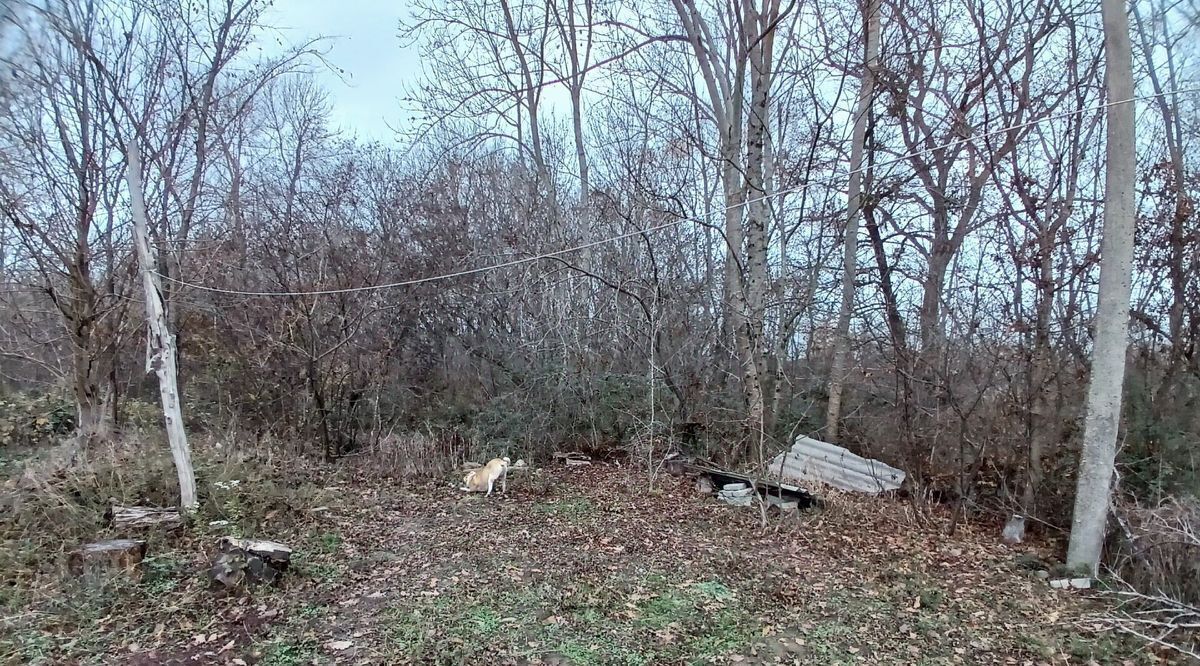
(736,494)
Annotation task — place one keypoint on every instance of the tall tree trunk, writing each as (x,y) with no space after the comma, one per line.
(91,419)
(841,339)
(328,450)
(1096,461)
(737,309)
(759,211)
(1044,426)
(160,352)
(930,316)
(585,183)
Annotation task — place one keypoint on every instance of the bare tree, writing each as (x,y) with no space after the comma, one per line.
(58,195)
(750,33)
(575,23)
(854,197)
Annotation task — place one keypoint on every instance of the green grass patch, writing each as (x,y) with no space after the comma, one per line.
(327,543)
(627,621)
(575,508)
(286,651)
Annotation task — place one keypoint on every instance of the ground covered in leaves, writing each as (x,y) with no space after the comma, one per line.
(588,565)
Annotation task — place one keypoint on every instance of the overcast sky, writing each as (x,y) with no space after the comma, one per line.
(365,45)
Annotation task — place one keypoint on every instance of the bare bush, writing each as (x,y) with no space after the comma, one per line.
(1157,570)
(416,454)
(1159,548)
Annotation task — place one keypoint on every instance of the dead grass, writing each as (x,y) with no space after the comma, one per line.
(416,454)
(572,566)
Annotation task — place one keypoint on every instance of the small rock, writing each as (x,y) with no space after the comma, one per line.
(1014,530)
(782,505)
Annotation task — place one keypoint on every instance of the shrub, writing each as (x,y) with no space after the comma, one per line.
(33,421)
(1159,548)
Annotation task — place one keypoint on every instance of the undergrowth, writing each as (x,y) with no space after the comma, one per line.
(48,510)
(572,566)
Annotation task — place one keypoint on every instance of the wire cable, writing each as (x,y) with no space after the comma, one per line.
(664,225)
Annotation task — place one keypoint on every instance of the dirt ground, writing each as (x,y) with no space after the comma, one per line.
(580,566)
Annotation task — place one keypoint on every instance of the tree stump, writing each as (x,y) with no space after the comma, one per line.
(242,561)
(106,558)
(144,517)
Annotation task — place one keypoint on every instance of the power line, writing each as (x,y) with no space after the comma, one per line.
(664,225)
(432,278)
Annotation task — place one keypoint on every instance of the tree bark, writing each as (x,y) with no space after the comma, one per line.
(841,339)
(160,352)
(92,416)
(1112,315)
(761,33)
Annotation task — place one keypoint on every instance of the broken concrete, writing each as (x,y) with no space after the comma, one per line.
(736,494)
(1067,583)
(720,477)
(783,505)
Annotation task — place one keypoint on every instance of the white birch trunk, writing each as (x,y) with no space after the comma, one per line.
(160,351)
(1112,314)
(841,341)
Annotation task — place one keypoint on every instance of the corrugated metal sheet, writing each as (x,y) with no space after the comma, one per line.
(813,460)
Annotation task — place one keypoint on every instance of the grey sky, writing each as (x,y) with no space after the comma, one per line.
(365,45)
